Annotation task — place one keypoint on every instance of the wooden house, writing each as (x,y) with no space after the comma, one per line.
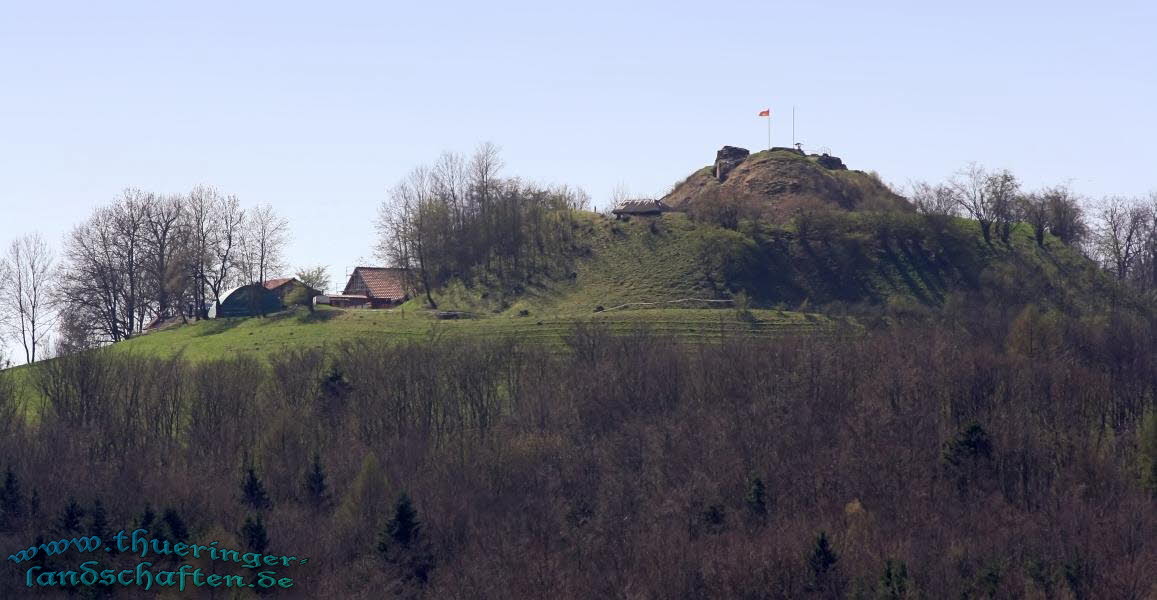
(373,287)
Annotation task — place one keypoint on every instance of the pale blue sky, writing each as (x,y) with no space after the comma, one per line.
(318,108)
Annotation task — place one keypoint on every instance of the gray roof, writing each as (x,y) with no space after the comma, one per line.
(640,207)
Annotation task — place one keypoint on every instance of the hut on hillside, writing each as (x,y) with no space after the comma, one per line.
(246,301)
(373,287)
(639,208)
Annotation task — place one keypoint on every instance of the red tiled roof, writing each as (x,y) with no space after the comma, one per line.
(381,282)
(273,284)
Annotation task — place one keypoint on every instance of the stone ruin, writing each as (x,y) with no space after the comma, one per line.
(727,159)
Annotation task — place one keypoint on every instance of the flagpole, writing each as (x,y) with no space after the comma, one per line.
(769,130)
(792,124)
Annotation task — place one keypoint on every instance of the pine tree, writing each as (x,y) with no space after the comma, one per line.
(69,522)
(34,504)
(821,560)
(894,581)
(253,492)
(316,489)
(756,499)
(402,544)
(404,528)
(147,518)
(11,501)
(98,520)
(253,534)
(176,527)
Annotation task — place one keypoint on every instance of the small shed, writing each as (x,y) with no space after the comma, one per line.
(640,208)
(246,301)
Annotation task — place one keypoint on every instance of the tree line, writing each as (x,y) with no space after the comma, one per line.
(141,257)
(1118,232)
(459,218)
(914,461)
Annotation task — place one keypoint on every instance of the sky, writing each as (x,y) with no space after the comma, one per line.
(318,108)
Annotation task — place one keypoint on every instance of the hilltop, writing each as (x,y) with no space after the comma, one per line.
(826,245)
(780,182)
(675,272)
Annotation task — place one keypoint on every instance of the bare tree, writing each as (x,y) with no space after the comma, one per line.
(987,197)
(106,281)
(263,248)
(619,194)
(214,223)
(167,240)
(407,229)
(1121,233)
(28,274)
(1034,207)
(1066,217)
(933,199)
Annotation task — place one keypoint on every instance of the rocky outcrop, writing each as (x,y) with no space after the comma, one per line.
(830,162)
(727,159)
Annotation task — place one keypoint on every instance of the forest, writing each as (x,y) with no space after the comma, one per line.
(994,438)
(922,461)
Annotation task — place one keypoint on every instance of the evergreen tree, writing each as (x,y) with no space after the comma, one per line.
(821,561)
(69,522)
(894,581)
(147,518)
(404,528)
(253,534)
(98,520)
(402,544)
(175,526)
(253,492)
(756,499)
(34,505)
(316,489)
(11,501)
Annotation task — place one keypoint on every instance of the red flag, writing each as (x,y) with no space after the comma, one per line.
(765,113)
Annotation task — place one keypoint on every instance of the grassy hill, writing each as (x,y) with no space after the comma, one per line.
(329,327)
(680,277)
(830,261)
(694,279)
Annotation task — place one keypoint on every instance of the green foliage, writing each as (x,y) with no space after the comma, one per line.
(147,518)
(253,534)
(894,581)
(756,499)
(1147,457)
(315,277)
(970,444)
(403,546)
(98,520)
(404,528)
(714,519)
(300,296)
(743,307)
(316,489)
(69,521)
(174,525)
(821,562)
(11,502)
(253,492)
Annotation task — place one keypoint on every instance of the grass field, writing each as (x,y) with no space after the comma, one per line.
(329,326)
